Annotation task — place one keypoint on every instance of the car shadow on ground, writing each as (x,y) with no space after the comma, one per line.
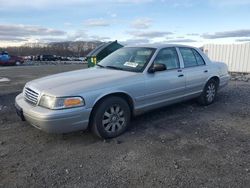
(170,118)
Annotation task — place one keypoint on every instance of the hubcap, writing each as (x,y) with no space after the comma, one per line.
(113,119)
(211,90)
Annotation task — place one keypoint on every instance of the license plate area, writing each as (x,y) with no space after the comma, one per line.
(19,112)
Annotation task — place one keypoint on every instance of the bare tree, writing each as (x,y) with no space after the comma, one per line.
(73,49)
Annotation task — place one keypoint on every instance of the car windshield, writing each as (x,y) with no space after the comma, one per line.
(128,59)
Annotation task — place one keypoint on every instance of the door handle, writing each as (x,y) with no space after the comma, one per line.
(205,71)
(180,75)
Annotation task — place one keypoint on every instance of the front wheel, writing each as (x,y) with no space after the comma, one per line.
(111,117)
(209,93)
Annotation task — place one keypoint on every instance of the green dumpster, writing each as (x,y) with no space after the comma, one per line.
(101,52)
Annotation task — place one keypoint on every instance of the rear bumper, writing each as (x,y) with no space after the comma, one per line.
(224,80)
(53,121)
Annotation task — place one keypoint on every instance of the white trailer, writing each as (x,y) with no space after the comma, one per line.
(236,56)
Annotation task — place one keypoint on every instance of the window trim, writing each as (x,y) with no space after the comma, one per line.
(177,55)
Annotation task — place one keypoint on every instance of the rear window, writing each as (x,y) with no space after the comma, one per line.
(188,57)
(191,57)
(198,57)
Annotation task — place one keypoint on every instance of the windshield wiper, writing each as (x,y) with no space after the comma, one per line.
(113,67)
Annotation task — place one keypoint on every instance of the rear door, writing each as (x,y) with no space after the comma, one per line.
(195,70)
(165,85)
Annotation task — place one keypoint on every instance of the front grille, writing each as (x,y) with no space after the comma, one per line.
(31,96)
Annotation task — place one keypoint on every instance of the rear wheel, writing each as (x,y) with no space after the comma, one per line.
(111,117)
(209,93)
(18,63)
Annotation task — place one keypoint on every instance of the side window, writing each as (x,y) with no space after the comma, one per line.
(198,57)
(188,57)
(169,57)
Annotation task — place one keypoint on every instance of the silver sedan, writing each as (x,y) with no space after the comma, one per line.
(130,81)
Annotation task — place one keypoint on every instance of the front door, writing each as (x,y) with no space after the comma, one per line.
(165,85)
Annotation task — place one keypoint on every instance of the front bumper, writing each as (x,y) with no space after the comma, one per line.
(53,121)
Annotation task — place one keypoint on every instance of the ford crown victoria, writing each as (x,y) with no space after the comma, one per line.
(128,82)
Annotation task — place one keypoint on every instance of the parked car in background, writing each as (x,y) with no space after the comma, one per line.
(27,58)
(128,82)
(48,58)
(82,58)
(65,59)
(6,59)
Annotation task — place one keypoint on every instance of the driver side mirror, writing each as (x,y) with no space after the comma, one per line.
(157,67)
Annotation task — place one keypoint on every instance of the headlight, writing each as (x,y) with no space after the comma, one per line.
(57,103)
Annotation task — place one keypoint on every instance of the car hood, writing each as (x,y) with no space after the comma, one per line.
(77,82)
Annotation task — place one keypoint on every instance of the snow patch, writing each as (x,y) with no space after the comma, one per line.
(4,79)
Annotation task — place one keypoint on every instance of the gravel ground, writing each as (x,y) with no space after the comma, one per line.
(240,77)
(183,145)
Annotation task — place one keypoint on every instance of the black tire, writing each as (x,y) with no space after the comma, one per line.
(108,124)
(209,93)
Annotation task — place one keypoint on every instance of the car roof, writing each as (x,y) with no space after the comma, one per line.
(159,46)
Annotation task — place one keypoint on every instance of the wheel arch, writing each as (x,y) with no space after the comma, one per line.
(216,78)
(201,99)
(120,94)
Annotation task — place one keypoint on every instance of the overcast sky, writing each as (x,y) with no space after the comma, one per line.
(193,22)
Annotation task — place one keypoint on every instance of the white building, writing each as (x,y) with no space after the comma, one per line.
(236,56)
